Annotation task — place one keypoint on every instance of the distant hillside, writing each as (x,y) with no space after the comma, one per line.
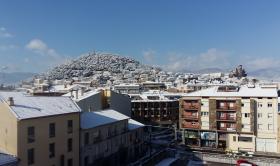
(14,77)
(209,70)
(268,74)
(91,64)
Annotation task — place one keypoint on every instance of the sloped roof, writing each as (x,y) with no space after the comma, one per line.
(26,106)
(94,119)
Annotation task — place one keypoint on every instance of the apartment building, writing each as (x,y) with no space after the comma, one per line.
(230,117)
(39,130)
(110,138)
(127,88)
(99,99)
(155,109)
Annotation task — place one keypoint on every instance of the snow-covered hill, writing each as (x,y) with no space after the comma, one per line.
(91,64)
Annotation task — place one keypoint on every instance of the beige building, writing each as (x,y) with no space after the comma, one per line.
(39,130)
(235,118)
(110,138)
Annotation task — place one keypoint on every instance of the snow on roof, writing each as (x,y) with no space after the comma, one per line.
(133,124)
(94,119)
(6,159)
(243,91)
(80,96)
(26,106)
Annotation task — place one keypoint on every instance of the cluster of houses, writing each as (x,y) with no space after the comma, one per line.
(73,122)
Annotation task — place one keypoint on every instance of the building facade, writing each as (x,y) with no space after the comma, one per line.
(39,130)
(155,109)
(110,138)
(232,118)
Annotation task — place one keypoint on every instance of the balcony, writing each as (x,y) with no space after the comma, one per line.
(227,127)
(226,117)
(191,106)
(191,125)
(226,108)
(222,137)
(187,115)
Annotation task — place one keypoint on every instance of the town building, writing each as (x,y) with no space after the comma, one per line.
(155,108)
(127,88)
(110,138)
(235,118)
(39,130)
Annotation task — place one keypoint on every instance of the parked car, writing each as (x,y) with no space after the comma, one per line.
(242,162)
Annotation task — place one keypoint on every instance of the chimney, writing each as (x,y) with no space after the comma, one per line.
(77,94)
(82,91)
(11,101)
(71,93)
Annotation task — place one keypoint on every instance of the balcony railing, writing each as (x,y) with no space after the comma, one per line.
(191,125)
(226,108)
(189,116)
(191,106)
(226,117)
(227,127)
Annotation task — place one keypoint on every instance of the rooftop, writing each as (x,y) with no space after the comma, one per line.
(81,96)
(94,119)
(26,106)
(133,124)
(6,159)
(243,91)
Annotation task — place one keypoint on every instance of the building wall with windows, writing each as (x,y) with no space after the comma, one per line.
(250,114)
(39,130)
(8,130)
(63,149)
(111,142)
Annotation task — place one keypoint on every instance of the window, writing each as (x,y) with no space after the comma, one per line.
(259,104)
(222,104)
(30,156)
(70,126)
(86,161)
(52,130)
(231,105)
(270,127)
(70,162)
(86,138)
(269,104)
(222,125)
(51,150)
(242,105)
(31,134)
(245,139)
(204,113)
(246,115)
(259,115)
(234,138)
(269,115)
(96,136)
(259,126)
(69,144)
(62,160)
(232,115)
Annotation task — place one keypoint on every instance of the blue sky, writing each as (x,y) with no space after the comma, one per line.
(179,34)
